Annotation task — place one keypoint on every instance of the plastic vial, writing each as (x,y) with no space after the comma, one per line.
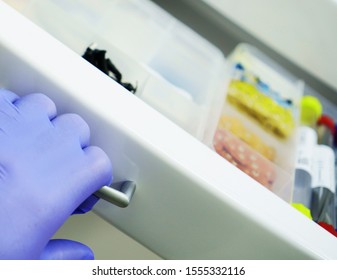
(307,140)
(323,192)
(311,110)
(324,187)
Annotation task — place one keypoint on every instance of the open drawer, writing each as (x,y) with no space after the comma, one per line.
(190,203)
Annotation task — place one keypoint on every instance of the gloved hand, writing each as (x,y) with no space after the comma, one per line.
(47,169)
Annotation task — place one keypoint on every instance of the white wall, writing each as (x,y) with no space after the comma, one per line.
(305,31)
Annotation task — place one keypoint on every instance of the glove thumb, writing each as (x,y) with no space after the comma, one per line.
(62,249)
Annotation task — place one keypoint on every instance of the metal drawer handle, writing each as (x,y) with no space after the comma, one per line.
(119,194)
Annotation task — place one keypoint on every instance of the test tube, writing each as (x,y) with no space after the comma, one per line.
(311,110)
(335,143)
(326,130)
(323,185)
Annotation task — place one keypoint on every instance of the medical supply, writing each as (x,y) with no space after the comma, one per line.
(261,107)
(311,109)
(236,127)
(258,121)
(335,142)
(97,58)
(264,91)
(329,228)
(244,157)
(323,184)
(325,130)
(307,140)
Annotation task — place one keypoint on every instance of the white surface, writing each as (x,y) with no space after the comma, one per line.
(189,203)
(304,31)
(107,242)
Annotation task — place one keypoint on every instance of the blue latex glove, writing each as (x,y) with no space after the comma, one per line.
(47,170)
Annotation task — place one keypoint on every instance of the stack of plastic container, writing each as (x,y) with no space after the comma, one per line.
(257,128)
(186,78)
(174,69)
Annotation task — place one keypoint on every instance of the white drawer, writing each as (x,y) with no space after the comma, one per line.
(189,203)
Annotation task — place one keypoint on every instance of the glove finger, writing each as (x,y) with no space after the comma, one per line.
(86,205)
(72,125)
(100,167)
(36,103)
(62,249)
(6,102)
(95,172)
(7,96)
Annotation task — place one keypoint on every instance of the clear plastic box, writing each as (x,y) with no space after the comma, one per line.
(260,117)
(176,71)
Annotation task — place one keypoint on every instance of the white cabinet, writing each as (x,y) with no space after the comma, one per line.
(190,203)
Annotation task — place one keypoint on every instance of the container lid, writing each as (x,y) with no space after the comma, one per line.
(329,228)
(311,110)
(328,122)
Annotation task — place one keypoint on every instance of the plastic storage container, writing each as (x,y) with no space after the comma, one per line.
(176,71)
(259,119)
